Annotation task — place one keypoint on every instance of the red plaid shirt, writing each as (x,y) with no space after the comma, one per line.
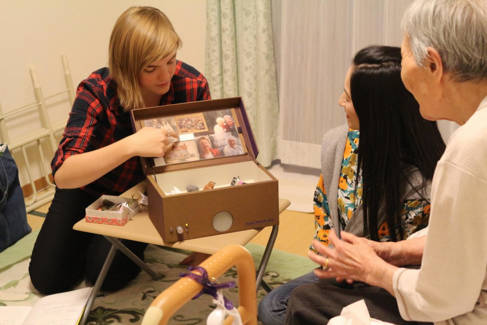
(97,119)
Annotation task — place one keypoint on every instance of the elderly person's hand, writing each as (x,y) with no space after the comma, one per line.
(354,259)
(404,252)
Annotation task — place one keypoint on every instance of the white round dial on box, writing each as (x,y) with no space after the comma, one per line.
(222,221)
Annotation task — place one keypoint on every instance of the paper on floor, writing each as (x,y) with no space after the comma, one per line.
(356,314)
(63,308)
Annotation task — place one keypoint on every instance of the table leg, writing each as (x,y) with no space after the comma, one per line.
(118,244)
(99,282)
(265,259)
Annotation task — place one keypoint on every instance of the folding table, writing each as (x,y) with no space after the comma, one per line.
(140,228)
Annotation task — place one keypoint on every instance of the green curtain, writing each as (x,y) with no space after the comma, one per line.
(240,62)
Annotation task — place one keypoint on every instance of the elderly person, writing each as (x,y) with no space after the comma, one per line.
(232,148)
(445,68)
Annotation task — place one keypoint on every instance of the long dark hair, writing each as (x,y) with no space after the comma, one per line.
(393,136)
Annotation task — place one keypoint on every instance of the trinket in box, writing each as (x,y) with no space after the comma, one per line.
(111,210)
(210,182)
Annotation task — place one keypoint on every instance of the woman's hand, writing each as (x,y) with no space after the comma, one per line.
(82,169)
(352,258)
(151,142)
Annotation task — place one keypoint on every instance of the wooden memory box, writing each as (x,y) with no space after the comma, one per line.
(215,144)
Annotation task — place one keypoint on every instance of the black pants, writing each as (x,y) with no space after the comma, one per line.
(63,257)
(318,302)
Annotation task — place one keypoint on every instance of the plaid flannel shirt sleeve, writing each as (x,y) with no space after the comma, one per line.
(80,127)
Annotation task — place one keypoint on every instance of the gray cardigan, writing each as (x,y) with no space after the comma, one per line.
(332,149)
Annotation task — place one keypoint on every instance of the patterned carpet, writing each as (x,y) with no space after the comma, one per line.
(128,305)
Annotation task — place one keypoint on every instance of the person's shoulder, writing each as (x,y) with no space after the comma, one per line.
(186,71)
(333,142)
(99,81)
(335,134)
(98,77)
(473,132)
(189,84)
(467,147)
(97,86)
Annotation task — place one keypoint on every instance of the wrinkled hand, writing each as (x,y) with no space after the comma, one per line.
(151,142)
(385,250)
(352,258)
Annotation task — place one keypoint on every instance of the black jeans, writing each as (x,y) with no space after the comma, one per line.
(317,303)
(63,257)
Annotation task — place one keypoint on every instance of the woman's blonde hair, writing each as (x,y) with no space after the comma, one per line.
(141,35)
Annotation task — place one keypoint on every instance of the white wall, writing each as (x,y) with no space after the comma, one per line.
(37,32)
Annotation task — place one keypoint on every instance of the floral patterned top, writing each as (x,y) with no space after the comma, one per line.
(414,213)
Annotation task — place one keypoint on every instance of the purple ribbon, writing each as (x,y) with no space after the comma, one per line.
(210,288)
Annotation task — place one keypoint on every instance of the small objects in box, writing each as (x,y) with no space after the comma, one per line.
(236,181)
(111,210)
(192,188)
(209,186)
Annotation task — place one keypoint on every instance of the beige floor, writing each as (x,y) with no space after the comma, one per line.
(294,236)
(34,221)
(296,230)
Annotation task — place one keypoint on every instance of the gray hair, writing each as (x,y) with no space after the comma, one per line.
(457,29)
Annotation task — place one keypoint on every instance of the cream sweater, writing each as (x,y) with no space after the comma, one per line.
(451,286)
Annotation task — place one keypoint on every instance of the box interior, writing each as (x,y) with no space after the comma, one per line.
(93,209)
(176,182)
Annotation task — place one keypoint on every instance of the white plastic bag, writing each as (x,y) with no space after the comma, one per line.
(356,314)
(218,315)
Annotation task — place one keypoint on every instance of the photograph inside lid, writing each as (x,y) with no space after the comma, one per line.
(200,136)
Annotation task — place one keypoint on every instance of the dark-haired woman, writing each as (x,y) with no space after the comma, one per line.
(374,183)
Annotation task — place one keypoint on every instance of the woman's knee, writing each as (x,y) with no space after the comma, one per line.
(272,308)
(58,257)
(49,280)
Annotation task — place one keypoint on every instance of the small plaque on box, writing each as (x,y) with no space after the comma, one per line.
(111,210)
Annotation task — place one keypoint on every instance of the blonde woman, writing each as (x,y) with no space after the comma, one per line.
(98,153)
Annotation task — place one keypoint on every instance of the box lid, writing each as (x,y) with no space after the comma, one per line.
(210,132)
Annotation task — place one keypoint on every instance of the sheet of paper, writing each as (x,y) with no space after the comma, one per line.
(13,315)
(59,309)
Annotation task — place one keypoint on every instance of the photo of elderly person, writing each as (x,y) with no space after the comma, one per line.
(229,124)
(220,133)
(373,184)
(445,67)
(232,147)
(206,148)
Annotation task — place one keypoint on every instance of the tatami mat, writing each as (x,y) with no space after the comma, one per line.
(296,231)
